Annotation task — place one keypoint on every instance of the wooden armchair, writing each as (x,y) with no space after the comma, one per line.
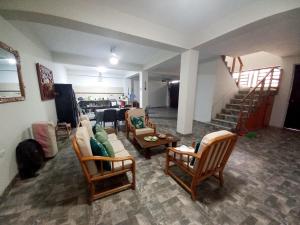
(93,174)
(149,129)
(214,151)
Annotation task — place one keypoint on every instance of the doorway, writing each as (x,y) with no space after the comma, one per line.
(174,94)
(292,119)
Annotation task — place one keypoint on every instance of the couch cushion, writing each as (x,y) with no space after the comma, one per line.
(112,137)
(127,163)
(99,150)
(109,148)
(84,117)
(101,136)
(83,141)
(117,146)
(146,130)
(97,127)
(88,126)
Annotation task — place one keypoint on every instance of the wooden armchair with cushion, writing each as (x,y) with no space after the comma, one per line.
(122,163)
(210,160)
(149,127)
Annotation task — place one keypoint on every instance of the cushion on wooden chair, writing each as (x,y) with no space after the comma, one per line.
(146,130)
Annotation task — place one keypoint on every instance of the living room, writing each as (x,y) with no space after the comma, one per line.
(218,67)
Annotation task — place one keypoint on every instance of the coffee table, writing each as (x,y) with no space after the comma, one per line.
(147,145)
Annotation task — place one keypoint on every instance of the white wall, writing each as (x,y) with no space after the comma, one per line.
(205,90)
(282,99)
(215,88)
(60,74)
(225,88)
(157,94)
(16,118)
(136,89)
(257,60)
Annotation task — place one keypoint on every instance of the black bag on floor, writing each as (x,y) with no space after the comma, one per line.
(30,158)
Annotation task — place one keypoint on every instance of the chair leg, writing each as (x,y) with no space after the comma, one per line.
(221,178)
(167,164)
(92,192)
(194,190)
(133,176)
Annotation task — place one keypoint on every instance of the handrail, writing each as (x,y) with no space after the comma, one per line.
(256,86)
(250,96)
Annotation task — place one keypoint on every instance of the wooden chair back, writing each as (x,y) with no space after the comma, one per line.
(214,155)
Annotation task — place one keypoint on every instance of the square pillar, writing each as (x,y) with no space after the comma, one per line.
(143,78)
(187,91)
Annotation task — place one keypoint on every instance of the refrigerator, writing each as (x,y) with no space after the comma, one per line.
(66,105)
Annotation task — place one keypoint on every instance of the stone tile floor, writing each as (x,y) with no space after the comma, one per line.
(262,186)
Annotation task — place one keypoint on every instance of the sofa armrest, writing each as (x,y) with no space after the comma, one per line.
(111,160)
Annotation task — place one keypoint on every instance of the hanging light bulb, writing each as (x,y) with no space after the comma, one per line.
(114,60)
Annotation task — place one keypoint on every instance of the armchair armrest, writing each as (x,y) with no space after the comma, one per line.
(150,124)
(181,159)
(191,154)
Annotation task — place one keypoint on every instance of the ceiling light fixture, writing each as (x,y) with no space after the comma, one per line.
(114,60)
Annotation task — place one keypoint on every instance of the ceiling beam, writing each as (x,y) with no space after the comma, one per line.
(96,19)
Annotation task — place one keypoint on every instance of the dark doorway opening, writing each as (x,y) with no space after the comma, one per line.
(174,94)
(292,119)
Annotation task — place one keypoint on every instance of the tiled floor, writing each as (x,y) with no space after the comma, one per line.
(262,186)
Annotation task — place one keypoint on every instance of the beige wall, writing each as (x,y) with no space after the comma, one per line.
(16,118)
(282,99)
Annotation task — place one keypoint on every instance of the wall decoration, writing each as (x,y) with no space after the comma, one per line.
(46,83)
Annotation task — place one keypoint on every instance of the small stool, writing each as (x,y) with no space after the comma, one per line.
(63,129)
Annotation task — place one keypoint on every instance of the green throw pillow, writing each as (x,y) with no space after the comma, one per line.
(101,136)
(99,150)
(97,127)
(138,122)
(109,148)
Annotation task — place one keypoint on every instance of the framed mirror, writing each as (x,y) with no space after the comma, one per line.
(11,82)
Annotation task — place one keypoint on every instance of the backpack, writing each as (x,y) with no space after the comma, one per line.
(30,158)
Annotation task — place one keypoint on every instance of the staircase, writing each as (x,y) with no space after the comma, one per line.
(250,108)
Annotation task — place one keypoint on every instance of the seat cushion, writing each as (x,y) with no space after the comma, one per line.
(99,150)
(138,122)
(146,130)
(83,141)
(84,117)
(127,163)
(112,137)
(88,126)
(117,146)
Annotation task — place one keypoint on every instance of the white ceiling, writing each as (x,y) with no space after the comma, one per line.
(182,15)
(64,40)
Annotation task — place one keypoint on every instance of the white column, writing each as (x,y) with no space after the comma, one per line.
(143,76)
(187,91)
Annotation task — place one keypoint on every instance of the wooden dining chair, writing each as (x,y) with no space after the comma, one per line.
(213,154)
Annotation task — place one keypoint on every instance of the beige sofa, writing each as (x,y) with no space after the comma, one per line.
(122,163)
